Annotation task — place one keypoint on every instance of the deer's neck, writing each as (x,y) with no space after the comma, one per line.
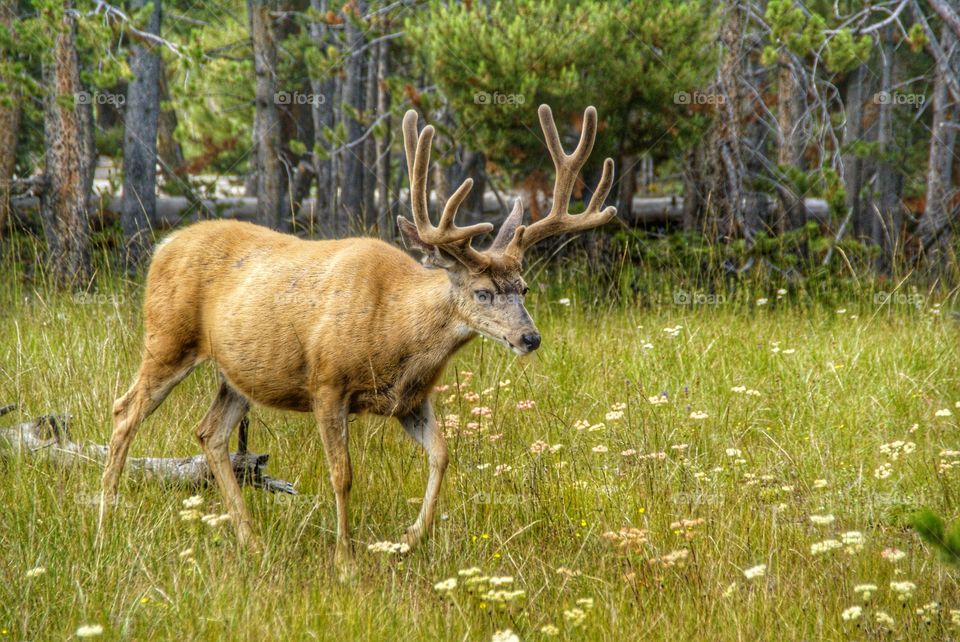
(438,324)
(428,328)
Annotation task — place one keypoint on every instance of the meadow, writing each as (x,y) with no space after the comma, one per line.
(722,466)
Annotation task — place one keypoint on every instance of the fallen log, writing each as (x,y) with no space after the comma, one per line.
(173,211)
(49,436)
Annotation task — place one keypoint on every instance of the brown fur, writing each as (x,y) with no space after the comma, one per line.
(282,317)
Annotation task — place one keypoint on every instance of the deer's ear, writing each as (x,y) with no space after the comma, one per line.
(433,256)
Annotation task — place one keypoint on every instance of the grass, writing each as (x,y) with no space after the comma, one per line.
(839,386)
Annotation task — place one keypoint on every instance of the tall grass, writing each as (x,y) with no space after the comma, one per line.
(832,388)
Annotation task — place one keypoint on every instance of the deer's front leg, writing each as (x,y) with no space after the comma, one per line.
(422,427)
(331,413)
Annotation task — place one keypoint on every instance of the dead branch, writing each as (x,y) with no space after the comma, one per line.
(49,436)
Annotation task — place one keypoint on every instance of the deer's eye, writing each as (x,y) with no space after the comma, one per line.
(483,296)
(524,290)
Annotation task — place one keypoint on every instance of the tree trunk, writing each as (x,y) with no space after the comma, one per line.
(933,228)
(722,163)
(470,164)
(271,180)
(351,187)
(139,200)
(628,186)
(950,16)
(68,134)
(790,212)
(385,225)
(168,149)
(692,194)
(852,164)
(322,110)
(338,222)
(370,144)
(9,123)
(888,218)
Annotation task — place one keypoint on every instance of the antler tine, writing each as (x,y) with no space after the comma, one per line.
(454,240)
(417,149)
(568,166)
(509,228)
(510,236)
(410,138)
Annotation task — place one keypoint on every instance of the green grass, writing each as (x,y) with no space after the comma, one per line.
(823,412)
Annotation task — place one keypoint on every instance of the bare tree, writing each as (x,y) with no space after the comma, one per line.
(271,182)
(68,132)
(139,200)
(9,122)
(370,144)
(351,187)
(385,226)
(720,159)
(791,211)
(887,214)
(322,108)
(949,14)
(168,149)
(933,228)
(852,133)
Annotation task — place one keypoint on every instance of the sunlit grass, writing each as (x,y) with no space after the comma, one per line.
(538,493)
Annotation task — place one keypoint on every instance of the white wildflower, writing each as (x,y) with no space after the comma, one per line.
(852,613)
(825,546)
(193,502)
(505,635)
(446,585)
(89,631)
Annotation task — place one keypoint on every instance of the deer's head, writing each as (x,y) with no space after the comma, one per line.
(487,285)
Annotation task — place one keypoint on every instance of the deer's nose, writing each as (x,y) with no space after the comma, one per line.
(531,341)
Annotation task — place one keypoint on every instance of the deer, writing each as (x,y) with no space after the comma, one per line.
(340,327)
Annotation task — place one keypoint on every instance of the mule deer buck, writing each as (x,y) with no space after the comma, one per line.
(339,327)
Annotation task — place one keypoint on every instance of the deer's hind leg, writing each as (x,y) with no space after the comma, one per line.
(155,379)
(214,432)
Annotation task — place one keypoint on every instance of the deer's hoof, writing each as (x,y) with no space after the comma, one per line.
(411,537)
(346,566)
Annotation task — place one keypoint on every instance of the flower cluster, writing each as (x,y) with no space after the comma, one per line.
(895,449)
(628,537)
(673,558)
(687,527)
(389,548)
(949,459)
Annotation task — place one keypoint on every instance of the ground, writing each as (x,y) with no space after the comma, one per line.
(668,469)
